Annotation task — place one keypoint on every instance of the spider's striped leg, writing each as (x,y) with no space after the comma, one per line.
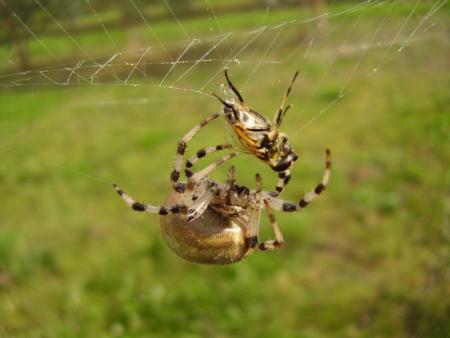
(254,226)
(254,218)
(279,240)
(282,111)
(231,177)
(283,179)
(194,178)
(138,206)
(202,153)
(181,148)
(229,185)
(232,86)
(310,196)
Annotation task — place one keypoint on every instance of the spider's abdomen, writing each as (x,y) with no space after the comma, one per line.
(210,239)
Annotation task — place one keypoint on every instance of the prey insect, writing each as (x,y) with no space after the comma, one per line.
(205,221)
(260,136)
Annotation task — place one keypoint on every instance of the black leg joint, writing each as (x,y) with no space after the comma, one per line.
(175,209)
(181,148)
(180,187)
(303,203)
(320,187)
(201,153)
(251,242)
(286,179)
(289,207)
(163,211)
(174,175)
(138,206)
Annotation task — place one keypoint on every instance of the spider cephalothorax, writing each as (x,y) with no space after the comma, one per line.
(260,136)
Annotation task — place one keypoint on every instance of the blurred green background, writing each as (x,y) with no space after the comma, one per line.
(369,258)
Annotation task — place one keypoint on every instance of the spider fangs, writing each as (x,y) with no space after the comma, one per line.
(260,136)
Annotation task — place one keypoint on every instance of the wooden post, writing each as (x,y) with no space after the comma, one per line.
(320,8)
(19,45)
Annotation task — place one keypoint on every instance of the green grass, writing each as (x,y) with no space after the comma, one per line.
(367,259)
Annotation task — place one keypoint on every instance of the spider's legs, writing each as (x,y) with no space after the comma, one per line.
(202,153)
(279,241)
(229,185)
(258,186)
(283,179)
(310,196)
(233,88)
(181,148)
(282,111)
(197,176)
(199,155)
(231,177)
(256,210)
(137,206)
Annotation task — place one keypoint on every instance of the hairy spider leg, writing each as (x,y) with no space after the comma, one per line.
(195,158)
(213,192)
(194,178)
(197,176)
(253,239)
(279,240)
(231,177)
(253,220)
(281,205)
(181,148)
(143,207)
(202,153)
(233,88)
(283,179)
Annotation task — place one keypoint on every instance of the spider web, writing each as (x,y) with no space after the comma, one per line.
(194,63)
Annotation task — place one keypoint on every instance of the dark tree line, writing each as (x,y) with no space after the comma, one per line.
(19,17)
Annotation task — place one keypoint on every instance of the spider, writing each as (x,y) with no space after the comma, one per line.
(205,221)
(260,136)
